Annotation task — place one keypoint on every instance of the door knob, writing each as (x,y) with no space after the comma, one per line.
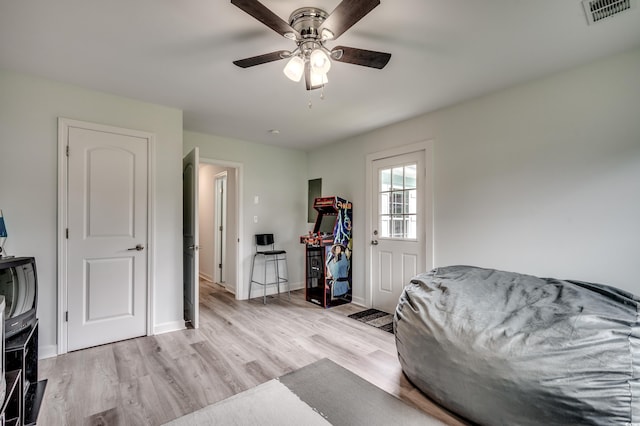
(138,247)
(194,247)
(374,242)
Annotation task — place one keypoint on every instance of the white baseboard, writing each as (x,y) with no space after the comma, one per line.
(297,286)
(168,327)
(206,277)
(359,301)
(50,351)
(47,351)
(257,290)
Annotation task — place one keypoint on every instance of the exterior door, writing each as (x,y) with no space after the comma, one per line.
(107,235)
(191,272)
(397,235)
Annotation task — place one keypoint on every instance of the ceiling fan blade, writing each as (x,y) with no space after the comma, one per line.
(262,59)
(367,58)
(346,14)
(266,16)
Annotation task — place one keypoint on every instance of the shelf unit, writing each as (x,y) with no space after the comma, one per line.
(21,353)
(11,411)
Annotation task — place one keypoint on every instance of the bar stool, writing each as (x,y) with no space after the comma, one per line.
(270,255)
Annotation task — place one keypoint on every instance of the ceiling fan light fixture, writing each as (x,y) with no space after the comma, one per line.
(310,28)
(327,34)
(318,79)
(320,62)
(294,68)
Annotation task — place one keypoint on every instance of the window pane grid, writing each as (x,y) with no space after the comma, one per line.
(398,202)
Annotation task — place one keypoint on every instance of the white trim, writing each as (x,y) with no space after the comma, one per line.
(63,131)
(427,147)
(63,137)
(47,351)
(239,287)
(297,286)
(151,231)
(229,289)
(206,277)
(167,327)
(359,301)
(272,290)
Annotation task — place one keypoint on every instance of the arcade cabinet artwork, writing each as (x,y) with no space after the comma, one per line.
(328,253)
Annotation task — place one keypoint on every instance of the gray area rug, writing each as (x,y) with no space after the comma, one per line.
(319,394)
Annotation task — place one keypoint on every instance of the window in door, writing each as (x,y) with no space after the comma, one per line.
(398,202)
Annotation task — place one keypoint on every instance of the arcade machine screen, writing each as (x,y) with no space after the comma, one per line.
(327,224)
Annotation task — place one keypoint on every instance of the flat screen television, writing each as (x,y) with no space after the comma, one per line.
(19,286)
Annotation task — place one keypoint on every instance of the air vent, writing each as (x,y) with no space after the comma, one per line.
(597,10)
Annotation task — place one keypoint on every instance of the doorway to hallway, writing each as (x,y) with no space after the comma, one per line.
(218,205)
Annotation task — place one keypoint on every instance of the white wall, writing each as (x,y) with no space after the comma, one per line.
(542,178)
(279,178)
(29,108)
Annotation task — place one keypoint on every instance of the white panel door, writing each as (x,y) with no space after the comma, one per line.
(191,270)
(107,225)
(397,237)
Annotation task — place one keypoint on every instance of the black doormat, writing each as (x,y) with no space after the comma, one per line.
(375,318)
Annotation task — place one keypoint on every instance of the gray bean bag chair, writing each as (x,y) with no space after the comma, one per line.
(504,348)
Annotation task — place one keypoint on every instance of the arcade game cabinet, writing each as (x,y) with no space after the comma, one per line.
(328,253)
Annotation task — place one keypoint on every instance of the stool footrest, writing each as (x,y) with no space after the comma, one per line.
(274,257)
(280,281)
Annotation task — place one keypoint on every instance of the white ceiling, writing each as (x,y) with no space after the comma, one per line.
(179,53)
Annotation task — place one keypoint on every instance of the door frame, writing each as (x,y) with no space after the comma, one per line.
(427,147)
(239,191)
(64,124)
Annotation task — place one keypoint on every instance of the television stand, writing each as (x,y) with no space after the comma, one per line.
(11,413)
(21,353)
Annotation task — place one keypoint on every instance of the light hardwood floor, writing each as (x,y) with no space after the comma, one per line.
(240,344)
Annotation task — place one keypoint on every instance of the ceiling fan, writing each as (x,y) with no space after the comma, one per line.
(310,28)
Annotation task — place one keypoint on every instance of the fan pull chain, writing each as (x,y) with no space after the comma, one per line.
(310,104)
